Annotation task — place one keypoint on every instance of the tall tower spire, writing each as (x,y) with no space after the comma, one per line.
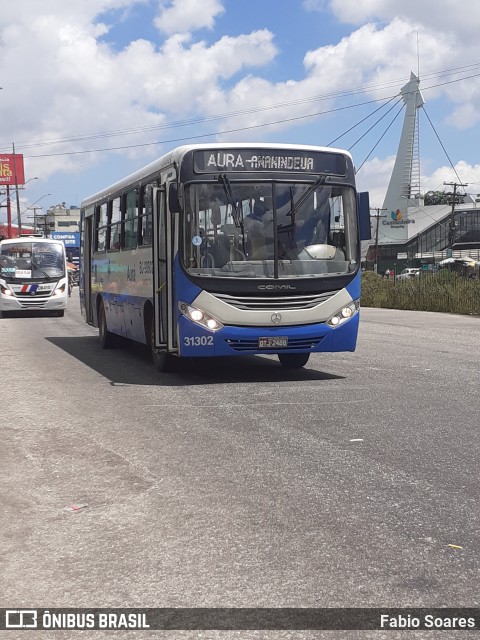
(407,160)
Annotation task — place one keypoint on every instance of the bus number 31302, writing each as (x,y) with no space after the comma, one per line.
(198,341)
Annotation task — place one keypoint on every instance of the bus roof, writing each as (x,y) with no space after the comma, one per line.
(30,238)
(175,156)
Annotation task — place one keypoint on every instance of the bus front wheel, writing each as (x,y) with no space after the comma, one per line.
(293,360)
(107,339)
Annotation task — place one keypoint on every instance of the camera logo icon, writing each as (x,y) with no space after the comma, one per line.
(20,618)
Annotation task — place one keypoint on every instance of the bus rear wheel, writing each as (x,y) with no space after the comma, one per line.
(293,360)
(107,338)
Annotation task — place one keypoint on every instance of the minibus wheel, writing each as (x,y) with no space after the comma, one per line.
(293,360)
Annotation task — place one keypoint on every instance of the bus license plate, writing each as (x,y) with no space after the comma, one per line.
(272,343)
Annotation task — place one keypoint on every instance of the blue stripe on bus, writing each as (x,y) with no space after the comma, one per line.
(229,341)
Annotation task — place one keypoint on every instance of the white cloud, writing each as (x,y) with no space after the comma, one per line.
(374,177)
(443,15)
(74,90)
(371,51)
(467,173)
(188,15)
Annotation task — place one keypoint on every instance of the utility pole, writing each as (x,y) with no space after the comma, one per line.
(9,213)
(451,223)
(378,216)
(35,222)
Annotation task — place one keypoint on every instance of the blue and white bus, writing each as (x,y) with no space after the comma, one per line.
(228,249)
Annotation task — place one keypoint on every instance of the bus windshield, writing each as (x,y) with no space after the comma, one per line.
(269,230)
(27,260)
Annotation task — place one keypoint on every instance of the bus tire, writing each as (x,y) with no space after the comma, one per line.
(293,360)
(107,339)
(60,313)
(163,362)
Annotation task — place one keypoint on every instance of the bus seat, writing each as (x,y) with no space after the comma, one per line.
(221,250)
(258,249)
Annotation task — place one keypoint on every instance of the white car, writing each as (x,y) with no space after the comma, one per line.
(410,272)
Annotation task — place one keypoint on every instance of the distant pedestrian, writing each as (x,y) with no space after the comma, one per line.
(387,273)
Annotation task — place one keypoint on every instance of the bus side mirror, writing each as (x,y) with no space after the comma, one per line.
(365,228)
(173,198)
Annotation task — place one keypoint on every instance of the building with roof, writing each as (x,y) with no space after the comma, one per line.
(409,230)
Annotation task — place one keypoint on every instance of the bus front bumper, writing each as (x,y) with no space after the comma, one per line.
(35,303)
(195,341)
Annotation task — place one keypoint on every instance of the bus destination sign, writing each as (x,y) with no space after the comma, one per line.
(246,160)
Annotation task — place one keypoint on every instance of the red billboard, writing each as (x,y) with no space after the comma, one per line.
(11,169)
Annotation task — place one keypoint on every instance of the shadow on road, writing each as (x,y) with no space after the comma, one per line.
(131,364)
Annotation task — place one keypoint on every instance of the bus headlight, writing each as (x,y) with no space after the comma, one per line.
(344,314)
(200,317)
(5,291)
(59,290)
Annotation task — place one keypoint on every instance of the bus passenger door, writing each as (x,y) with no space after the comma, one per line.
(162,272)
(86,258)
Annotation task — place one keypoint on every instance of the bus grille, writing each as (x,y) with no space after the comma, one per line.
(32,304)
(251,344)
(37,293)
(276,303)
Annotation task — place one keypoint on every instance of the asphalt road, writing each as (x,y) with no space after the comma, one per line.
(236,483)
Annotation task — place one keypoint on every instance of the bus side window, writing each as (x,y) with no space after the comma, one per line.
(115,225)
(131,220)
(101,227)
(145,228)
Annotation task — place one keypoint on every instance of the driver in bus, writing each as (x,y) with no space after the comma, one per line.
(5,263)
(313,228)
(254,225)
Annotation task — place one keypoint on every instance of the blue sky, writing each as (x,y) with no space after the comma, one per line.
(75,73)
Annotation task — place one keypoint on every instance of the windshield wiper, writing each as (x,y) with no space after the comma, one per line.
(35,266)
(301,201)
(227,187)
(237,215)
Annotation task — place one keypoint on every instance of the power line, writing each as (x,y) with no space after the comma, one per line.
(203,135)
(249,111)
(441,143)
(379,140)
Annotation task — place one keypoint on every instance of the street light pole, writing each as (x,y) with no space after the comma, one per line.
(9,213)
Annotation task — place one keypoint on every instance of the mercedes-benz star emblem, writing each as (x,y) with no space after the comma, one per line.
(276,318)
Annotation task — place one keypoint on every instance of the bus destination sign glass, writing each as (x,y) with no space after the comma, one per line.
(246,160)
